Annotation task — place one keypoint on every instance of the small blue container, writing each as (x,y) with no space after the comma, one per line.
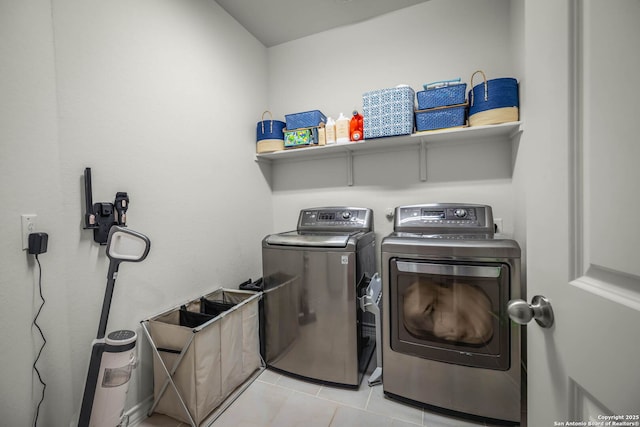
(306,119)
(492,94)
(440,118)
(441,96)
(269,129)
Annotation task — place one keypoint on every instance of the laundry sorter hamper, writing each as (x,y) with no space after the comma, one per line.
(203,350)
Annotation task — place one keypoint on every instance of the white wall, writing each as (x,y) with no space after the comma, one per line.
(160,99)
(30,183)
(330,71)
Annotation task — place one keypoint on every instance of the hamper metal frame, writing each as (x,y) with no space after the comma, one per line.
(170,372)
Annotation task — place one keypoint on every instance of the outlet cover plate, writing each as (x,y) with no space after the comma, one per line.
(28,227)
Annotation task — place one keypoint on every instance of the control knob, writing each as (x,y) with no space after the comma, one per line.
(460,213)
(346,215)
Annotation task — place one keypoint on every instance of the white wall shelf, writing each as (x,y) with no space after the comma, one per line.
(393,143)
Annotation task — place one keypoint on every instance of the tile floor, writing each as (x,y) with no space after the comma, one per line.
(280,401)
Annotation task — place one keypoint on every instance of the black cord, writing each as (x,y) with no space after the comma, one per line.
(44,341)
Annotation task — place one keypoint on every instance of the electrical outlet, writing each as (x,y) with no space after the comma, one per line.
(498,225)
(28,227)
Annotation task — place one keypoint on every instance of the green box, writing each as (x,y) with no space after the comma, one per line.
(300,137)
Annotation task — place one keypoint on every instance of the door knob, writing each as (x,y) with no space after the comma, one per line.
(540,309)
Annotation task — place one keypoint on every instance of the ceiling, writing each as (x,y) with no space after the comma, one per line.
(274,22)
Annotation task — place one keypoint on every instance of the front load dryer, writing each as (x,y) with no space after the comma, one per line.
(448,342)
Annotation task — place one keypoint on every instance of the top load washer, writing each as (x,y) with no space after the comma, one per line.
(313,277)
(448,341)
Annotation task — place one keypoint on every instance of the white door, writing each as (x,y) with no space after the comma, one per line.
(582,146)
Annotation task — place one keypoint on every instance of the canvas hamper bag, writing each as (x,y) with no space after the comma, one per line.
(169,336)
(208,355)
(493,101)
(240,329)
(269,135)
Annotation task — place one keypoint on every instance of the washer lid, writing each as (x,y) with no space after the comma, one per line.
(318,240)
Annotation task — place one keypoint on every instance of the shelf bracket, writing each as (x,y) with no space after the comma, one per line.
(515,132)
(423,161)
(349,168)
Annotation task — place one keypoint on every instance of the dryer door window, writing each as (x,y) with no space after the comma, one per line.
(450,312)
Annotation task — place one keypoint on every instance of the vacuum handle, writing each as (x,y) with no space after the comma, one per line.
(108,294)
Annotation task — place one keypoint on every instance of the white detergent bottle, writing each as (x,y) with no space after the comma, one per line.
(330,131)
(342,129)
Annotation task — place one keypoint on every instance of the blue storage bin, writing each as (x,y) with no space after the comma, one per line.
(493,101)
(440,118)
(388,112)
(306,119)
(441,96)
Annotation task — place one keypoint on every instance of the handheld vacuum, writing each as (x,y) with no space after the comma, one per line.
(114,357)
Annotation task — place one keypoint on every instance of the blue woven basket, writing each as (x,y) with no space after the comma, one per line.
(440,118)
(305,119)
(441,96)
(269,129)
(491,94)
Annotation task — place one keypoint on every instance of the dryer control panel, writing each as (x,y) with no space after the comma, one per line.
(444,218)
(335,219)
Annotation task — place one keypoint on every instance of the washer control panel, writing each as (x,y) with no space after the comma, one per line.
(335,219)
(444,218)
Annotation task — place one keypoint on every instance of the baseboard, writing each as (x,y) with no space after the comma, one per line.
(139,412)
